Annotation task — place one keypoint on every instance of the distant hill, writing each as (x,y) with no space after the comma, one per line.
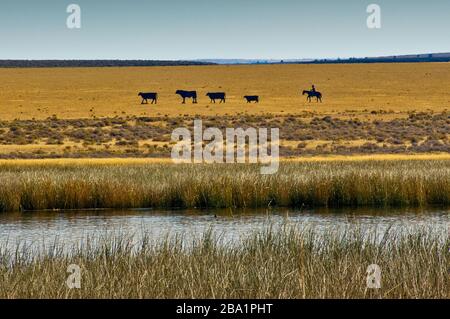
(253,61)
(410,58)
(430,57)
(92,63)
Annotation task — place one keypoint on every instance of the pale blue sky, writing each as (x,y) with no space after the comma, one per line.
(193,29)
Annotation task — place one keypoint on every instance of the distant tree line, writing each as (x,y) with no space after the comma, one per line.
(93,63)
(393,59)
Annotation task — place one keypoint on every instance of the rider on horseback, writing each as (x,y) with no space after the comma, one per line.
(313,93)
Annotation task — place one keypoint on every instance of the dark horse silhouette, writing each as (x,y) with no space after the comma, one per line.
(312,94)
(148,96)
(187,94)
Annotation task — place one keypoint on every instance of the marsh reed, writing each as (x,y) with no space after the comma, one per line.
(63,185)
(274,262)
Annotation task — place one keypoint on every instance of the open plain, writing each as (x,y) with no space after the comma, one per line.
(95,112)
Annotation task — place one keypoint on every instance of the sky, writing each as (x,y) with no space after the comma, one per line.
(226,29)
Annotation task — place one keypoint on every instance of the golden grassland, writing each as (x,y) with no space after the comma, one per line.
(143,161)
(84,184)
(95,112)
(353,90)
(277,262)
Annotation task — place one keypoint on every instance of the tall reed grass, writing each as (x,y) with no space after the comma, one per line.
(276,262)
(297,184)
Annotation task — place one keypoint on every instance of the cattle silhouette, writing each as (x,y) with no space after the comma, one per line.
(148,96)
(312,94)
(252,98)
(217,96)
(187,94)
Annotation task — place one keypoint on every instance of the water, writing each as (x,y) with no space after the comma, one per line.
(42,229)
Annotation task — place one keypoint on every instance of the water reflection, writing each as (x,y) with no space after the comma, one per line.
(42,229)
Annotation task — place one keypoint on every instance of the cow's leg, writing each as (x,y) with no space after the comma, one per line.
(184,100)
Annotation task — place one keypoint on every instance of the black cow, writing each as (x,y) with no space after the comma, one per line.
(216,96)
(148,96)
(187,94)
(252,98)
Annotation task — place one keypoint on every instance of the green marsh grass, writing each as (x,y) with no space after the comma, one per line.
(411,183)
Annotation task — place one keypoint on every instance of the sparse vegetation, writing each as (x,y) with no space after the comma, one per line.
(112,137)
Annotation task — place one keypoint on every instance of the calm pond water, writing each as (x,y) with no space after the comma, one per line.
(42,229)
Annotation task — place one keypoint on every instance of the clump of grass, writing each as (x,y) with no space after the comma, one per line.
(162,185)
(277,262)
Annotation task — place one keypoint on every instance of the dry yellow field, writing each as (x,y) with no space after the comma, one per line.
(143,161)
(348,89)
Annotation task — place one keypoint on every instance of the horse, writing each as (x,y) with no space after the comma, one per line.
(187,94)
(312,94)
(216,96)
(148,96)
